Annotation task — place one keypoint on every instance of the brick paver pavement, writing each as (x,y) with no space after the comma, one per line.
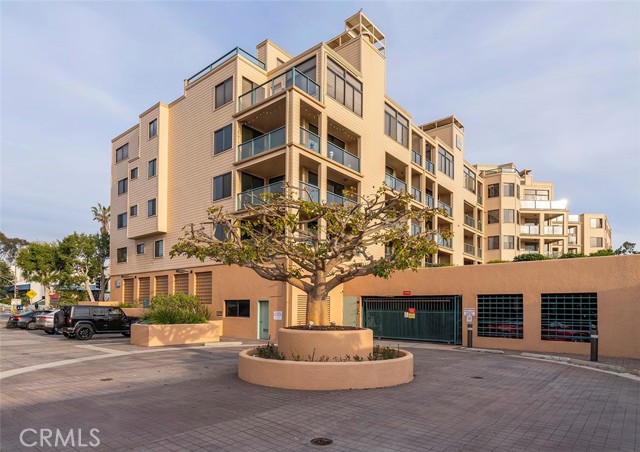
(189,398)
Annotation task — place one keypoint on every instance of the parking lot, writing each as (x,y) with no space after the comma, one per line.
(122,397)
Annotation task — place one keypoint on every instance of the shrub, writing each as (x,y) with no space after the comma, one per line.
(571,255)
(529,257)
(608,252)
(130,304)
(497,261)
(176,309)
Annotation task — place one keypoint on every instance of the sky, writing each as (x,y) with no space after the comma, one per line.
(549,86)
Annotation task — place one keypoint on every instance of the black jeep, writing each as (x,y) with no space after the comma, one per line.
(82,322)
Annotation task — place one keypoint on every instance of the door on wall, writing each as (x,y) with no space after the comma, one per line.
(350,311)
(263,319)
(423,318)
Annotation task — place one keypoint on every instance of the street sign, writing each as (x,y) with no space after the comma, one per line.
(470,311)
(406,292)
(411,313)
(31,294)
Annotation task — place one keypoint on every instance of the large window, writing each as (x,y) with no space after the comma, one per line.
(158,248)
(569,316)
(121,255)
(493,242)
(509,189)
(469,180)
(493,216)
(445,161)
(151,207)
(500,316)
(153,168)
(224,92)
(122,152)
(508,216)
(509,242)
(123,186)
(122,220)
(536,195)
(396,126)
(493,190)
(344,87)
(237,308)
(596,223)
(222,139)
(153,128)
(222,186)
(596,242)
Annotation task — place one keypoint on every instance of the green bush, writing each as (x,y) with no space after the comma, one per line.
(608,252)
(176,309)
(529,257)
(497,261)
(571,255)
(130,304)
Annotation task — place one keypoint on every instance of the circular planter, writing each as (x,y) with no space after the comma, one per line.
(307,344)
(317,376)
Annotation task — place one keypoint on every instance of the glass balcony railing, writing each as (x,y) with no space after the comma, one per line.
(447,243)
(256,196)
(480,198)
(429,166)
(277,85)
(499,170)
(394,183)
(446,207)
(222,59)
(416,194)
(469,221)
(530,230)
(469,249)
(574,218)
(309,192)
(343,157)
(416,157)
(428,200)
(544,205)
(271,140)
(479,252)
(552,254)
(309,140)
(333,198)
(416,229)
(553,230)
(573,240)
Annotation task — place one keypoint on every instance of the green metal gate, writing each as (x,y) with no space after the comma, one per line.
(437,318)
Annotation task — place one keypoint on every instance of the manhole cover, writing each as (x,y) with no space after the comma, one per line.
(478,378)
(321,441)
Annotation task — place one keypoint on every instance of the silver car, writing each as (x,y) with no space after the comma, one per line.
(45,322)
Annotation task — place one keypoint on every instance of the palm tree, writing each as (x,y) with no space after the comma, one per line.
(102,214)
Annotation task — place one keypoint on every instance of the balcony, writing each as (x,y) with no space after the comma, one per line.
(499,170)
(256,196)
(394,183)
(309,192)
(553,230)
(479,252)
(429,166)
(343,157)
(224,58)
(552,254)
(428,200)
(416,194)
(416,157)
(266,142)
(574,218)
(447,243)
(544,205)
(469,221)
(480,198)
(278,84)
(333,198)
(446,207)
(530,230)
(469,249)
(309,140)
(573,240)
(416,229)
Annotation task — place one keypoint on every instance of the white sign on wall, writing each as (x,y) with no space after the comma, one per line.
(277,315)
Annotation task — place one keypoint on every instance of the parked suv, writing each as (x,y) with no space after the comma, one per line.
(82,322)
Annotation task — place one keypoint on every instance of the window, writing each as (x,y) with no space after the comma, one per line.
(220,232)
(222,186)
(509,189)
(500,316)
(493,190)
(596,223)
(445,161)
(122,220)
(396,125)
(493,216)
(237,308)
(153,168)
(344,87)
(123,186)
(536,195)
(224,92)
(222,139)
(121,255)
(569,316)
(153,128)
(596,242)
(133,211)
(151,208)
(509,242)
(508,216)
(458,141)
(140,248)
(493,242)
(158,248)
(122,152)
(469,180)
(134,173)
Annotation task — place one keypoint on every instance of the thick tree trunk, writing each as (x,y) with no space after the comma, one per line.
(318,303)
(103,284)
(47,296)
(87,286)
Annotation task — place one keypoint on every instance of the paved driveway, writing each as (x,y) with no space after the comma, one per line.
(190,398)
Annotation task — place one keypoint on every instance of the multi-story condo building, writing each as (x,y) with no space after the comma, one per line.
(320,120)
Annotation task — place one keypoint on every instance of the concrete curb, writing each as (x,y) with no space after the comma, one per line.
(481,350)
(582,363)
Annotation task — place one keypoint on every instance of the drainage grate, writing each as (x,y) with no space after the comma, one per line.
(321,441)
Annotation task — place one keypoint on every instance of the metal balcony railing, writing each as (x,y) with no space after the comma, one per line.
(271,140)
(394,183)
(446,207)
(416,157)
(277,85)
(469,221)
(333,198)
(428,200)
(343,157)
(222,59)
(309,192)
(309,140)
(416,194)
(429,166)
(255,195)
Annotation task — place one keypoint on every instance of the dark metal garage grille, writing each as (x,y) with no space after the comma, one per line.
(500,316)
(569,317)
(438,318)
